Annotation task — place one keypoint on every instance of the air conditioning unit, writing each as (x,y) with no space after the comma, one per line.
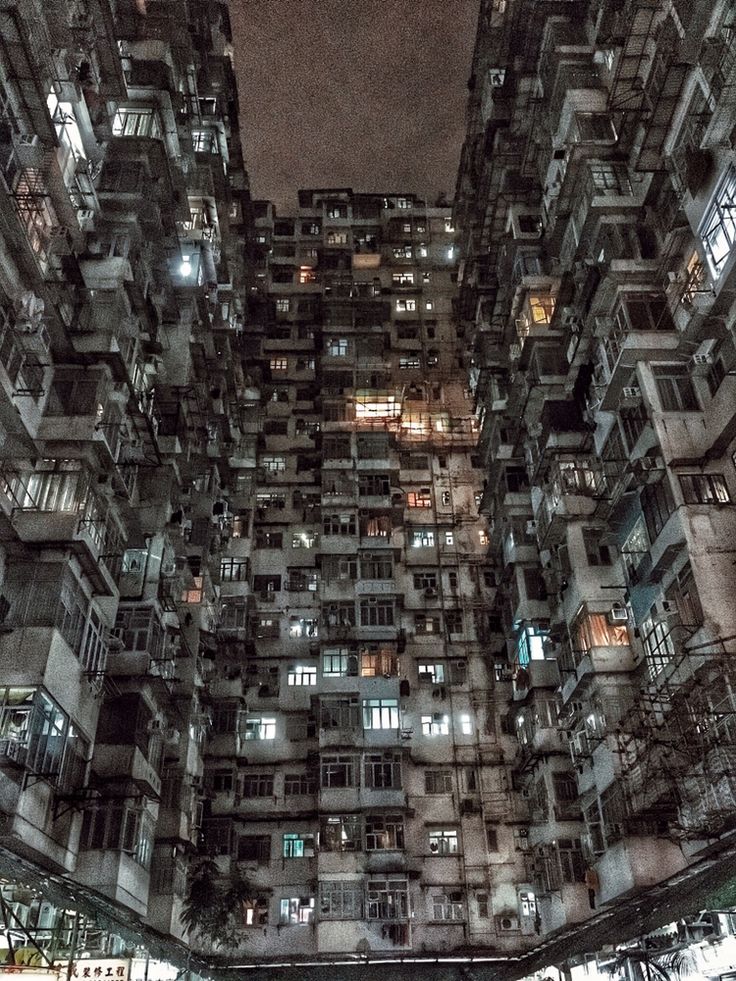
(618,614)
(506,923)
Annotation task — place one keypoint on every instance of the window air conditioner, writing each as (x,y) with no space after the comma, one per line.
(618,614)
(506,923)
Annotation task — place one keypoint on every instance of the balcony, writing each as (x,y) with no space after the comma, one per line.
(572,490)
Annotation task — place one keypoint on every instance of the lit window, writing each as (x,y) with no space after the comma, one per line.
(419,499)
(136,121)
(444,841)
(530,645)
(433,673)
(283,305)
(466,725)
(718,228)
(435,725)
(449,227)
(279,364)
(483,537)
(449,538)
(429,304)
(402,279)
(298,846)
(296,910)
(406,306)
(409,363)
(307,275)
(274,464)
(302,675)
(337,347)
(380,713)
(422,538)
(403,203)
(336,662)
(304,539)
(595,630)
(259,728)
(303,627)
(337,238)
(704,488)
(422,251)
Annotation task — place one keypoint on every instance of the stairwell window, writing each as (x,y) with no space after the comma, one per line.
(704,488)
(718,228)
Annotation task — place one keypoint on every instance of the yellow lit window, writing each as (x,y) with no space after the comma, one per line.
(419,499)
(307,275)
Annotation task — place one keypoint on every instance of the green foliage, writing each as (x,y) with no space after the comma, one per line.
(213,908)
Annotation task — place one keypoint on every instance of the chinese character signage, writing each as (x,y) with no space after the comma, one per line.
(93,969)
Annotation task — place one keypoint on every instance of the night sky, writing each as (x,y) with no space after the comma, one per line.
(368,94)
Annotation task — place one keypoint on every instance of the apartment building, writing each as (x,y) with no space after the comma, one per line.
(356,781)
(123,214)
(596,288)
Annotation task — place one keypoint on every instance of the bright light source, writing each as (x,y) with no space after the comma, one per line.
(185,269)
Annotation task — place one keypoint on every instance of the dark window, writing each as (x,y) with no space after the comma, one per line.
(657,505)
(675,389)
(704,488)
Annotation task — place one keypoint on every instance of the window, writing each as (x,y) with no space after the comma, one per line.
(425,580)
(302,675)
(304,539)
(339,524)
(682,594)
(424,624)
(435,725)
(433,673)
(422,538)
(373,485)
(273,464)
(718,228)
(336,663)
(595,552)
(257,785)
(448,906)
(259,728)
(483,538)
(406,306)
(675,389)
(388,899)
(336,237)
(594,127)
(610,178)
(299,784)
(136,121)
(296,910)
(443,841)
(303,627)
(254,848)
(419,499)
(378,663)
(341,900)
(658,644)
(279,364)
(410,363)
(657,504)
(297,845)
(382,771)
(704,488)
(384,832)
(403,279)
(466,725)
(593,630)
(449,538)
(380,713)
(338,771)
(337,347)
(340,833)
(377,613)
(283,305)
(267,628)
(454,621)
(233,570)
(438,781)
(339,713)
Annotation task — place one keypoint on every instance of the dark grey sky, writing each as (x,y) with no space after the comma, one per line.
(362,93)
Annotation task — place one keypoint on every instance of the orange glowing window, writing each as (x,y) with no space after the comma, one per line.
(307,275)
